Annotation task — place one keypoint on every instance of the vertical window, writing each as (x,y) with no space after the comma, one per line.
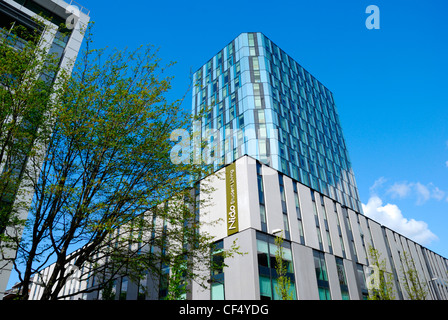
(297,202)
(261,198)
(251,39)
(350,234)
(241,121)
(142,285)
(257,77)
(113,289)
(330,247)
(164,279)
(263,218)
(124,288)
(262,133)
(302,236)
(320,266)
(217,272)
(362,281)
(237,69)
(284,207)
(252,50)
(255,63)
(342,279)
(352,243)
(327,231)
(257,89)
(257,102)
(319,238)
(316,219)
(342,245)
(362,239)
(286,225)
(282,192)
(341,240)
(266,252)
(298,212)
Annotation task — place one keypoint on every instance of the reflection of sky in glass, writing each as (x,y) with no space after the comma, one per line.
(264,104)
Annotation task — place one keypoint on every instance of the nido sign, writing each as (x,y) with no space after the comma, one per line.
(231,197)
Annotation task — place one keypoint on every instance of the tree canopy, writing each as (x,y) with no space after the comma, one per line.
(106,193)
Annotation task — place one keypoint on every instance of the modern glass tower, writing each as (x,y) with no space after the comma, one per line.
(256,100)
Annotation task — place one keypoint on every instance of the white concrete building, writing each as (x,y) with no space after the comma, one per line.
(327,252)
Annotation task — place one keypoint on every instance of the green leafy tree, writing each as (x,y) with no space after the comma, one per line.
(177,284)
(283,287)
(380,282)
(108,291)
(107,186)
(187,251)
(415,289)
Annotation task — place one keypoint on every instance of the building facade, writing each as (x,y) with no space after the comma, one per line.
(326,243)
(282,169)
(326,250)
(48,18)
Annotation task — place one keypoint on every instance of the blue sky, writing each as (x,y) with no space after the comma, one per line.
(390,84)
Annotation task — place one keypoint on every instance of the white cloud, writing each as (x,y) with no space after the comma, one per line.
(377,184)
(438,194)
(446,163)
(422,192)
(390,216)
(400,190)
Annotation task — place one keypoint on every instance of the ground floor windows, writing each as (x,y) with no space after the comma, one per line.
(263,218)
(217,290)
(362,281)
(268,258)
(321,275)
(142,287)
(217,272)
(342,279)
(124,288)
(164,281)
(324,293)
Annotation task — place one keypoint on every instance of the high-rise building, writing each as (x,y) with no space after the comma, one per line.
(59,25)
(262,103)
(273,132)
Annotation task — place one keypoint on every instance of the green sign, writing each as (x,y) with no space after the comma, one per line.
(231,197)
